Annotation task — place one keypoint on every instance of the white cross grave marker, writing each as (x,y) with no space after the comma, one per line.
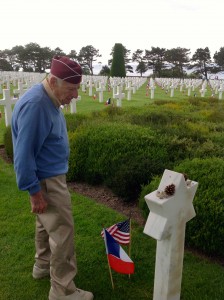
(166,223)
(119,96)
(20,91)
(220,90)
(172,87)
(73,102)
(189,89)
(90,86)
(7,102)
(129,89)
(100,89)
(152,88)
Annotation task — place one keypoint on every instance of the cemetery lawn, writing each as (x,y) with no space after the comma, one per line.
(202,279)
(88,105)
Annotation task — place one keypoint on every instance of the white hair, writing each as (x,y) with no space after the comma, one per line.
(59,80)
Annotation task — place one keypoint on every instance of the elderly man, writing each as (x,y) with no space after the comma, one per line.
(41,152)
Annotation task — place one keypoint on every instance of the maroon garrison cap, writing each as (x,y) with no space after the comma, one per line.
(66,69)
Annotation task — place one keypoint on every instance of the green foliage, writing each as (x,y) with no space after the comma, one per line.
(202,280)
(87,55)
(124,148)
(206,230)
(5,65)
(118,63)
(73,121)
(8,142)
(105,71)
(147,189)
(122,156)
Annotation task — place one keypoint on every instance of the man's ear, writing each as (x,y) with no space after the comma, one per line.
(53,81)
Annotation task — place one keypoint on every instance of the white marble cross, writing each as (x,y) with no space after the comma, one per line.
(100,89)
(152,88)
(119,96)
(189,89)
(7,103)
(73,108)
(90,86)
(129,88)
(172,87)
(83,84)
(220,90)
(20,91)
(203,89)
(166,223)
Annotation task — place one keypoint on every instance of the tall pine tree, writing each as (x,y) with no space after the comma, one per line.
(118,63)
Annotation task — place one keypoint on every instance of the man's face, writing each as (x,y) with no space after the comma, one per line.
(66,91)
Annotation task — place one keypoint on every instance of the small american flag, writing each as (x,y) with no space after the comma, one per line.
(120,232)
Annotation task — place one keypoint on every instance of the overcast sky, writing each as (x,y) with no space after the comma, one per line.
(139,24)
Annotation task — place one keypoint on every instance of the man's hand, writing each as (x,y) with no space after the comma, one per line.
(38,203)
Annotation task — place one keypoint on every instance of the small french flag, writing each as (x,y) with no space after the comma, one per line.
(118,259)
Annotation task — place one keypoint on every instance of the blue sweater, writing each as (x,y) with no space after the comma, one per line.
(40,140)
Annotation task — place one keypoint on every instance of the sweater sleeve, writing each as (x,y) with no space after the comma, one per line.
(33,126)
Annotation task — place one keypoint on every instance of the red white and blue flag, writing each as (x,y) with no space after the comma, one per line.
(120,232)
(118,259)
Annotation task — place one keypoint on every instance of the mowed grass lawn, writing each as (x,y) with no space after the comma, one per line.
(202,279)
(142,97)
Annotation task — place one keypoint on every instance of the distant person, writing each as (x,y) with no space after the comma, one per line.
(41,152)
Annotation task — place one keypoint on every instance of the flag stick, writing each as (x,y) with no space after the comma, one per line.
(129,249)
(111,277)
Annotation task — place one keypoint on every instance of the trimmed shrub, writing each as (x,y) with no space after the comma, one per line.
(122,156)
(8,142)
(205,232)
(73,121)
(147,189)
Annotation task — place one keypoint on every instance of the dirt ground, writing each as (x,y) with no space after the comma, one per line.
(105,196)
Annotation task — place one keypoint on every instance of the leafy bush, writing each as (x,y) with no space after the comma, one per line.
(122,156)
(216,116)
(8,142)
(73,121)
(147,189)
(206,231)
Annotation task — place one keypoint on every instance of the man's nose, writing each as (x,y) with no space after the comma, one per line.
(75,94)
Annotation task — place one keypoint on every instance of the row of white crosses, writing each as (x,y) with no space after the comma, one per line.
(116,83)
(131,86)
(218,87)
(8,78)
(190,84)
(23,81)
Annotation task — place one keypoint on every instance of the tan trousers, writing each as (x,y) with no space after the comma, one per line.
(54,239)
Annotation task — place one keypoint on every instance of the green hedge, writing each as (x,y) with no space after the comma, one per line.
(126,148)
(206,231)
(8,142)
(122,156)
